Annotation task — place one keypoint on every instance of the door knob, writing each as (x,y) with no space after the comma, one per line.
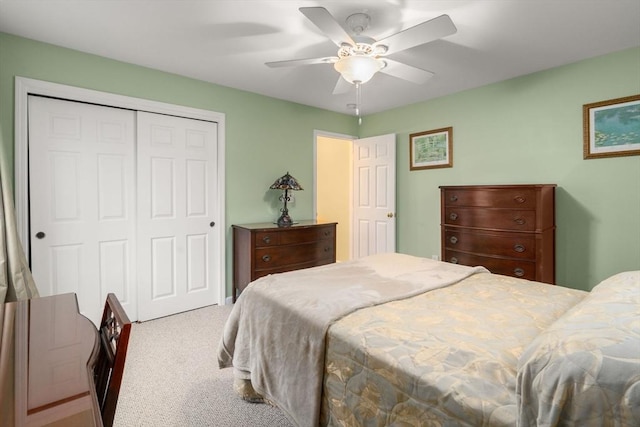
(390,215)
(40,235)
(212,223)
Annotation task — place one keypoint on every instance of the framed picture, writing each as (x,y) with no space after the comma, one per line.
(612,128)
(431,149)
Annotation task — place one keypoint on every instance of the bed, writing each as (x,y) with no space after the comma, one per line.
(393,339)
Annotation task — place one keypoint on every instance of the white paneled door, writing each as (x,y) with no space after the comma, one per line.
(177,189)
(82,202)
(122,201)
(374,195)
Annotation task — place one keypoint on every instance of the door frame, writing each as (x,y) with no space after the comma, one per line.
(26,86)
(319,134)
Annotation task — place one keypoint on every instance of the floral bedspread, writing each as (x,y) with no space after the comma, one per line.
(446,357)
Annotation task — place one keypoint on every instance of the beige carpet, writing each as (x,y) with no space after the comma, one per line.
(172,377)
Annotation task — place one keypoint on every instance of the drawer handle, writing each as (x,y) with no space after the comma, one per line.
(520,199)
(266,239)
(453,198)
(518,248)
(453,216)
(453,240)
(519,221)
(454,260)
(518,272)
(327,233)
(266,258)
(327,249)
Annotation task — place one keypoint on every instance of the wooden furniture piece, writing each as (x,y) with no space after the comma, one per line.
(264,248)
(115,329)
(47,355)
(509,229)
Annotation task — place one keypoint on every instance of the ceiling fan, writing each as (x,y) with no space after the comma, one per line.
(359,57)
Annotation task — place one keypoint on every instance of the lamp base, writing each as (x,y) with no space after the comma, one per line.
(284,220)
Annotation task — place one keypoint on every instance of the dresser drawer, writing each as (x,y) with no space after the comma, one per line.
(279,256)
(491,197)
(308,235)
(497,219)
(508,267)
(513,245)
(302,235)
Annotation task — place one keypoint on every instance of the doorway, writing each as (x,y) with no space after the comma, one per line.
(333,188)
(355,186)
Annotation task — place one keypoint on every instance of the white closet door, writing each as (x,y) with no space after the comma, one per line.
(177,186)
(82,202)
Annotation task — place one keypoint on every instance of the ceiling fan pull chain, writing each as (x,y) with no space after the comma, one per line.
(358,97)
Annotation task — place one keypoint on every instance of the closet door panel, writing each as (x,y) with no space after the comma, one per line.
(162,180)
(197,191)
(112,192)
(198,255)
(82,202)
(163,268)
(176,187)
(115,257)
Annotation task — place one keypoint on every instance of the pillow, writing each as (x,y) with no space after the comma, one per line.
(585,368)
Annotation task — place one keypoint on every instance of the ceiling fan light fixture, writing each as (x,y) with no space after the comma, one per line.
(358,68)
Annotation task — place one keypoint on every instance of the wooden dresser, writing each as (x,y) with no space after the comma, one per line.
(509,229)
(264,248)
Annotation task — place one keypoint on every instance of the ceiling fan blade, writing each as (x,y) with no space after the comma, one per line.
(406,72)
(342,86)
(327,24)
(426,32)
(296,62)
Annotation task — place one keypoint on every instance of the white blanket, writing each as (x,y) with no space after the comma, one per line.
(275,335)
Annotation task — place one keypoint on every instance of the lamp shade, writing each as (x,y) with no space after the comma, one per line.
(286,182)
(358,68)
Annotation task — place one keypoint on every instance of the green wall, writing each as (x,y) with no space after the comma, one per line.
(524,130)
(265,137)
(529,130)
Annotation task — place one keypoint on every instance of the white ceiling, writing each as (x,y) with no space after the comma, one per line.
(228,42)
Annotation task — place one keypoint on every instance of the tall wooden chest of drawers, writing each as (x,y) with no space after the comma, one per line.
(509,229)
(264,248)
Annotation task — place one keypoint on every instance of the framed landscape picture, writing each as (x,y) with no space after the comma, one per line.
(612,128)
(431,149)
